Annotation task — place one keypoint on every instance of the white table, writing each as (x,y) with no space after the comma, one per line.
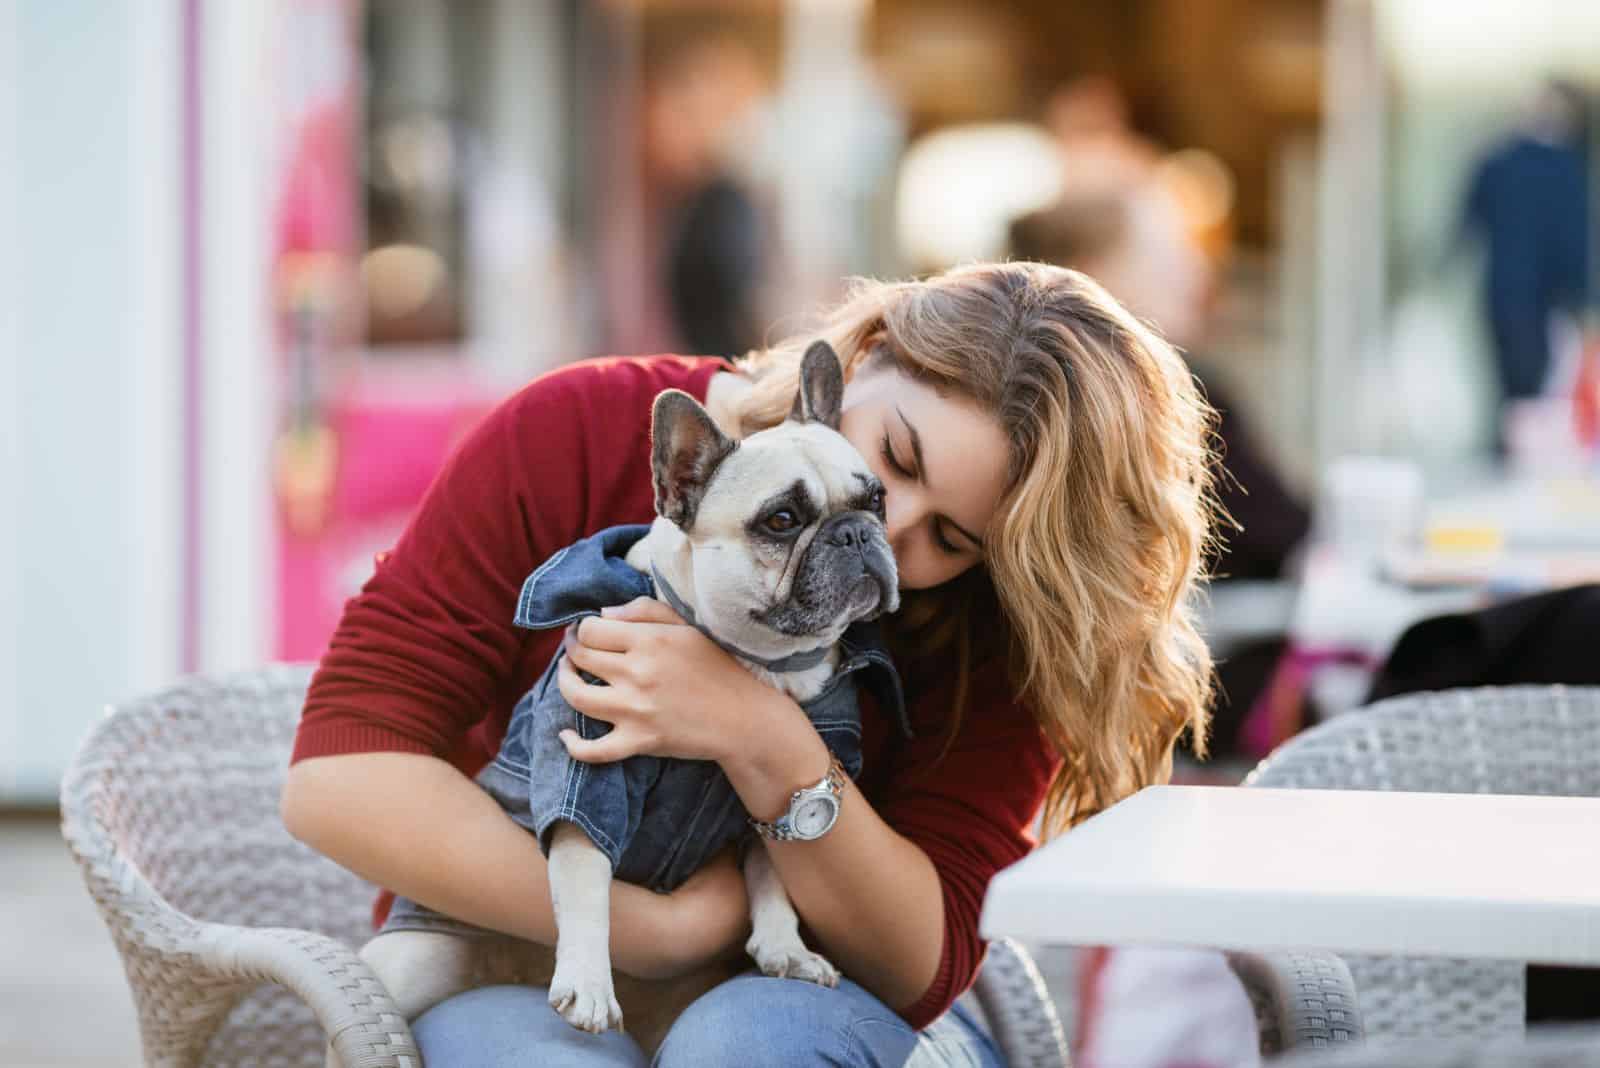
(1456,875)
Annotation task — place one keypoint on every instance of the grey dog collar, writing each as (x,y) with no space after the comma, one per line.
(801,661)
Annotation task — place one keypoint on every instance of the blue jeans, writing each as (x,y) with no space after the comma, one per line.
(749,1022)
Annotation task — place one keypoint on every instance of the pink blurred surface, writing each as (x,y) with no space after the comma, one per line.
(394,431)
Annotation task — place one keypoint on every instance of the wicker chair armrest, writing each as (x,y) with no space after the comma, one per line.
(1021,1017)
(360,1018)
(1302,1000)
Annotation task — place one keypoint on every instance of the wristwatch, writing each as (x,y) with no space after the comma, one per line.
(812,811)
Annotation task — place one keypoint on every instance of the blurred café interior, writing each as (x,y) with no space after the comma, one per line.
(340,231)
(269,261)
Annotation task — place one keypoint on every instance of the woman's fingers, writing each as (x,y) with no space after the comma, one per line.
(616,629)
(618,745)
(597,701)
(597,662)
(642,610)
(607,635)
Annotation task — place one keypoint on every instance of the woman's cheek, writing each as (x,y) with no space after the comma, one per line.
(915,570)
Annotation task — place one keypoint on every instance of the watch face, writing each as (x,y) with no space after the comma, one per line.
(814,816)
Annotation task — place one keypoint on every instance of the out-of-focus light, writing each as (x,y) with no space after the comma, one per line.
(1488,43)
(418,154)
(1202,183)
(401,279)
(960,188)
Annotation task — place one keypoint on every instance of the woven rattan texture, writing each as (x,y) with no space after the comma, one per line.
(1018,1008)
(230,930)
(171,809)
(1507,740)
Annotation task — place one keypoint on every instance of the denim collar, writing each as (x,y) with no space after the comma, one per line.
(583,578)
(593,573)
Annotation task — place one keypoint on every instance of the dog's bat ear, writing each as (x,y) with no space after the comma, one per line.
(686,449)
(820,398)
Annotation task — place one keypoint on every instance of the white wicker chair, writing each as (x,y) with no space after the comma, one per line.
(237,939)
(171,809)
(1515,740)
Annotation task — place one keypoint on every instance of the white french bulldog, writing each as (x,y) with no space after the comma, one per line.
(774,545)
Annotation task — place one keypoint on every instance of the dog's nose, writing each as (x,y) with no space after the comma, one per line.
(851,531)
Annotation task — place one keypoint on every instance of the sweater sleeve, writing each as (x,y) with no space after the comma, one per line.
(972,812)
(421,653)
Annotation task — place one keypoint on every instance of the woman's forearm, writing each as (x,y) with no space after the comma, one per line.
(870,896)
(418,826)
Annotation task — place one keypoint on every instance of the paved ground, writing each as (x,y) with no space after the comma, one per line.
(63,1000)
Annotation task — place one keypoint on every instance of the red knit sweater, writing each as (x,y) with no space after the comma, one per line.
(426,659)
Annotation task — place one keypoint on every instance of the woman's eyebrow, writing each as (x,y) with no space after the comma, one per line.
(922,474)
(916,446)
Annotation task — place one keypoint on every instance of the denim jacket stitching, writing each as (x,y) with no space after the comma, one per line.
(854,726)
(506,764)
(596,835)
(533,580)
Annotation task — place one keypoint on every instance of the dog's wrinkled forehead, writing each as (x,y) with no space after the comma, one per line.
(805,459)
(698,469)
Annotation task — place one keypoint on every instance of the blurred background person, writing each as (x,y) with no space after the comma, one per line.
(700,85)
(1131,217)
(1089,119)
(1528,202)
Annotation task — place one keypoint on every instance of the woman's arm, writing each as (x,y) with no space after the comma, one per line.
(415,824)
(428,646)
(893,892)
(870,896)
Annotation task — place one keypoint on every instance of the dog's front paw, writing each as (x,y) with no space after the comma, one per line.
(585,998)
(788,958)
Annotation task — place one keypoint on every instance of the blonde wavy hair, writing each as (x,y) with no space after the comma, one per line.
(1094,557)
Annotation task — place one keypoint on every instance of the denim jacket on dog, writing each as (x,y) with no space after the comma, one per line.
(657,819)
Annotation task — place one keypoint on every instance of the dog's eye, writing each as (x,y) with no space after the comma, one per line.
(876,502)
(782,521)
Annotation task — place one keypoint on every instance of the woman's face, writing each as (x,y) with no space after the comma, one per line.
(943,465)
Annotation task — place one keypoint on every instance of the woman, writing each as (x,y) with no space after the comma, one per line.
(1048,478)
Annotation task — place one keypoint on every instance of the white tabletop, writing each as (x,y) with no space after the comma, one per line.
(1459,875)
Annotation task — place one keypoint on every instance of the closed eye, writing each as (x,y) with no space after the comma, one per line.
(887,451)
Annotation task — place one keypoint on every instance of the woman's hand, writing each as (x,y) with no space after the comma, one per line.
(671,691)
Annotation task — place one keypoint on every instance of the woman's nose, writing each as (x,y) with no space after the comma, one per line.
(901,515)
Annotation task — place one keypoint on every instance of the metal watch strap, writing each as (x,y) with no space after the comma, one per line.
(779,829)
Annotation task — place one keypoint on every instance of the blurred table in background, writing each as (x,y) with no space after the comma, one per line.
(1483,537)
(1491,540)
(1237,611)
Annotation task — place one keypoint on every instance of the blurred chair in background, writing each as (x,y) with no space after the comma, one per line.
(1536,740)
(1545,638)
